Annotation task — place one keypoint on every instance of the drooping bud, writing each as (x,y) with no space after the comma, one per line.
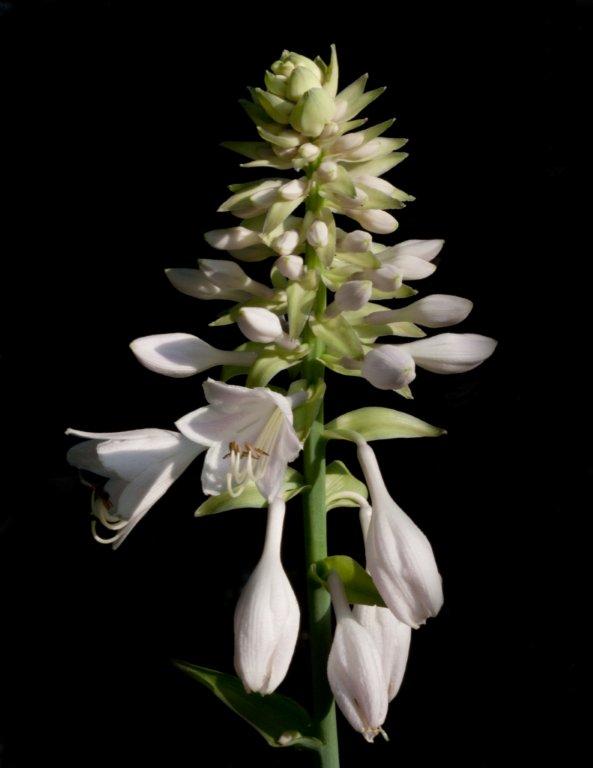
(267,616)
(354,669)
(451,352)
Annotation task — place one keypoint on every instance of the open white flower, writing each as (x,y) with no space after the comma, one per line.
(354,669)
(267,616)
(249,435)
(141,465)
(398,555)
(181,354)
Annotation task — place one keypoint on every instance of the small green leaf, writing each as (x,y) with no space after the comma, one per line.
(360,587)
(270,362)
(383,424)
(251,498)
(334,364)
(278,213)
(280,720)
(339,337)
(339,480)
(299,303)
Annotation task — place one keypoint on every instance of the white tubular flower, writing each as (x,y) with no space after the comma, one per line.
(357,241)
(389,366)
(292,267)
(318,234)
(451,352)
(392,637)
(141,466)
(181,354)
(267,616)
(354,669)
(228,275)
(286,243)
(193,282)
(436,311)
(264,327)
(350,296)
(293,190)
(399,556)
(379,222)
(249,435)
(232,239)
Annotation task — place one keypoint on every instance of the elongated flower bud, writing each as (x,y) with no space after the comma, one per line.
(286,243)
(233,238)
(380,222)
(399,556)
(354,669)
(318,234)
(291,266)
(293,189)
(193,282)
(389,366)
(350,296)
(436,311)
(451,352)
(259,324)
(357,241)
(181,354)
(229,276)
(267,616)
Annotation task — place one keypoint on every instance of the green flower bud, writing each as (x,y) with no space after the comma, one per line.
(302,61)
(282,68)
(275,84)
(301,81)
(313,110)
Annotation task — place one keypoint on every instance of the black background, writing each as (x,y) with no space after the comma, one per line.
(112,117)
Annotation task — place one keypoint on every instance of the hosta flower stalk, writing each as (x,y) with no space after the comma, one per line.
(319,223)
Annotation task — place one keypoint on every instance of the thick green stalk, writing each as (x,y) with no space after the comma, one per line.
(319,601)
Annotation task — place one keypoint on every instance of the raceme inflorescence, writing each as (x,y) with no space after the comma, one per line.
(323,164)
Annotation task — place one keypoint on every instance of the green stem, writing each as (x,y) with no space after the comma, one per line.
(319,602)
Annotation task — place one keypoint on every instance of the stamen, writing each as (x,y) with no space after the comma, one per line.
(101,540)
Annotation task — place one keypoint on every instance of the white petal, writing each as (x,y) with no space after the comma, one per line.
(451,352)
(435,311)
(233,238)
(130,457)
(419,249)
(259,324)
(291,267)
(357,241)
(409,267)
(175,354)
(226,274)
(380,222)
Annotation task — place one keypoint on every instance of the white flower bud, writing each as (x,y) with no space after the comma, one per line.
(389,367)
(387,278)
(318,234)
(354,669)
(294,189)
(436,311)
(232,239)
(340,110)
(267,616)
(193,282)
(327,171)
(398,555)
(357,241)
(380,222)
(300,81)
(259,324)
(291,267)
(350,296)
(286,243)
(330,130)
(282,68)
(451,352)
(346,143)
(309,151)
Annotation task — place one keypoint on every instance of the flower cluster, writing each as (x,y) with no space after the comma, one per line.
(250,433)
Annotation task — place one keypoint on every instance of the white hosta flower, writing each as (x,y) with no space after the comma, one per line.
(357,241)
(264,327)
(451,352)
(412,258)
(249,435)
(350,296)
(286,243)
(436,311)
(379,222)
(141,465)
(398,555)
(292,267)
(392,637)
(193,282)
(354,669)
(232,238)
(318,234)
(181,354)
(228,275)
(389,366)
(267,616)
